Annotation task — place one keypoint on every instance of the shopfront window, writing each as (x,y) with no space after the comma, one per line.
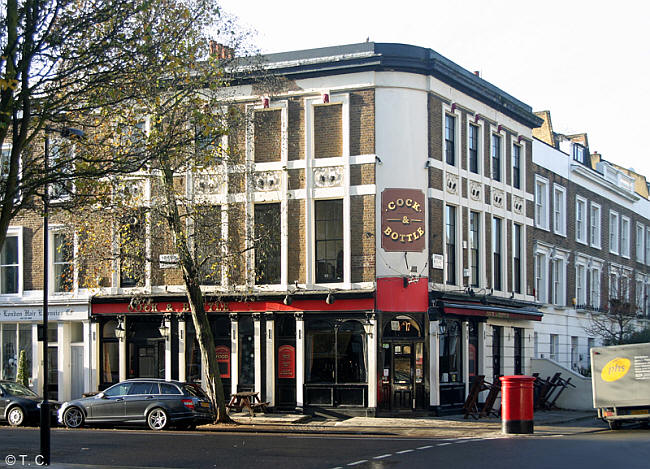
(110,353)
(9,352)
(246,353)
(336,353)
(450,351)
(145,349)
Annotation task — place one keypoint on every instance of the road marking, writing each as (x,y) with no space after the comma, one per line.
(356,463)
(383,456)
(404,451)
(443,444)
(425,447)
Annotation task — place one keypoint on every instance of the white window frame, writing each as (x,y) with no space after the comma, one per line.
(581,222)
(559,210)
(502,173)
(479,150)
(56,145)
(558,272)
(541,275)
(542,214)
(521,166)
(554,346)
(54,230)
(5,157)
(457,134)
(614,232)
(594,287)
(625,237)
(625,285)
(613,284)
(647,245)
(17,232)
(595,225)
(640,242)
(581,283)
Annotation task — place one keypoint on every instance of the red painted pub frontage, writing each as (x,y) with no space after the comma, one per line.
(354,351)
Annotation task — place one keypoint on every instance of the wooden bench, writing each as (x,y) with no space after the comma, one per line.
(247,400)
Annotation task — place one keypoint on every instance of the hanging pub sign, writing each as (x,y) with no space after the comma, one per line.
(402,220)
(286,361)
(223,359)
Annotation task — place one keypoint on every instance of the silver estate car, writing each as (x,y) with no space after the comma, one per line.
(156,402)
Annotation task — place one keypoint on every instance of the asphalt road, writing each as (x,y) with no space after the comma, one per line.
(628,448)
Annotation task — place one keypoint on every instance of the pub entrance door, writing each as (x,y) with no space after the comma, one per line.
(402,376)
(402,380)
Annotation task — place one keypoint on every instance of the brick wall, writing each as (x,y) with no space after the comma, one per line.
(328,131)
(436,228)
(362,233)
(362,122)
(296,125)
(435,127)
(268,135)
(297,258)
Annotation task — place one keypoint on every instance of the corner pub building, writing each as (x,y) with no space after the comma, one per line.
(401,188)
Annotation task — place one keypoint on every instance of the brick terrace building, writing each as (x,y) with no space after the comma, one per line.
(403,187)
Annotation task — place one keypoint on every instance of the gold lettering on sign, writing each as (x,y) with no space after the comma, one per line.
(402,220)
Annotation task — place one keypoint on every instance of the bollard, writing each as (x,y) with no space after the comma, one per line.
(517,404)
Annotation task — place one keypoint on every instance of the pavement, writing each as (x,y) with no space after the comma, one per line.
(430,427)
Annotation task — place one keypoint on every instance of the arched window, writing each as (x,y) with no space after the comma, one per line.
(402,327)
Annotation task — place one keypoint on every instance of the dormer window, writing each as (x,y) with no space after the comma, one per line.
(580,154)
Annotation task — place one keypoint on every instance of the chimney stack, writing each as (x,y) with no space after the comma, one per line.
(220,51)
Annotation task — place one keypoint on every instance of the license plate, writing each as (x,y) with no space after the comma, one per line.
(204,404)
(639,412)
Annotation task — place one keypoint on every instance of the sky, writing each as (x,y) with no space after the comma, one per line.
(586,61)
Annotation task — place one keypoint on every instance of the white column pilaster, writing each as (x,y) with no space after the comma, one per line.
(234,363)
(300,361)
(269,394)
(182,334)
(434,364)
(257,343)
(123,351)
(465,354)
(372,365)
(168,349)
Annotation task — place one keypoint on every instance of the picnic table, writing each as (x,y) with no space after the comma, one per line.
(247,400)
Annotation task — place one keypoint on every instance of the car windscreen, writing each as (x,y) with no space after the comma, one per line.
(16,389)
(194,390)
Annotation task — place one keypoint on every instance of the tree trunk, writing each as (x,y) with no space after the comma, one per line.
(214,385)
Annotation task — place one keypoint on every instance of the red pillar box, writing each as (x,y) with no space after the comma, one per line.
(517,404)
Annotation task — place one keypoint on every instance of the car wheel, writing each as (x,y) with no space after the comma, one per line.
(16,416)
(157,419)
(73,417)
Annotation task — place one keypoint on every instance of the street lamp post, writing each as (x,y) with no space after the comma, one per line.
(45,405)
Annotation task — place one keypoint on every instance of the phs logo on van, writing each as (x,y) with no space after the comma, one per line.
(615,369)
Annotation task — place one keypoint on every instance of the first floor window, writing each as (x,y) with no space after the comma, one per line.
(451,244)
(267,247)
(63,256)
(516,253)
(540,277)
(581,282)
(495,151)
(594,294)
(558,282)
(329,241)
(9,263)
(496,249)
(474,246)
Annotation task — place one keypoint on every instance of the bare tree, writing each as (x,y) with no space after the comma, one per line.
(615,324)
